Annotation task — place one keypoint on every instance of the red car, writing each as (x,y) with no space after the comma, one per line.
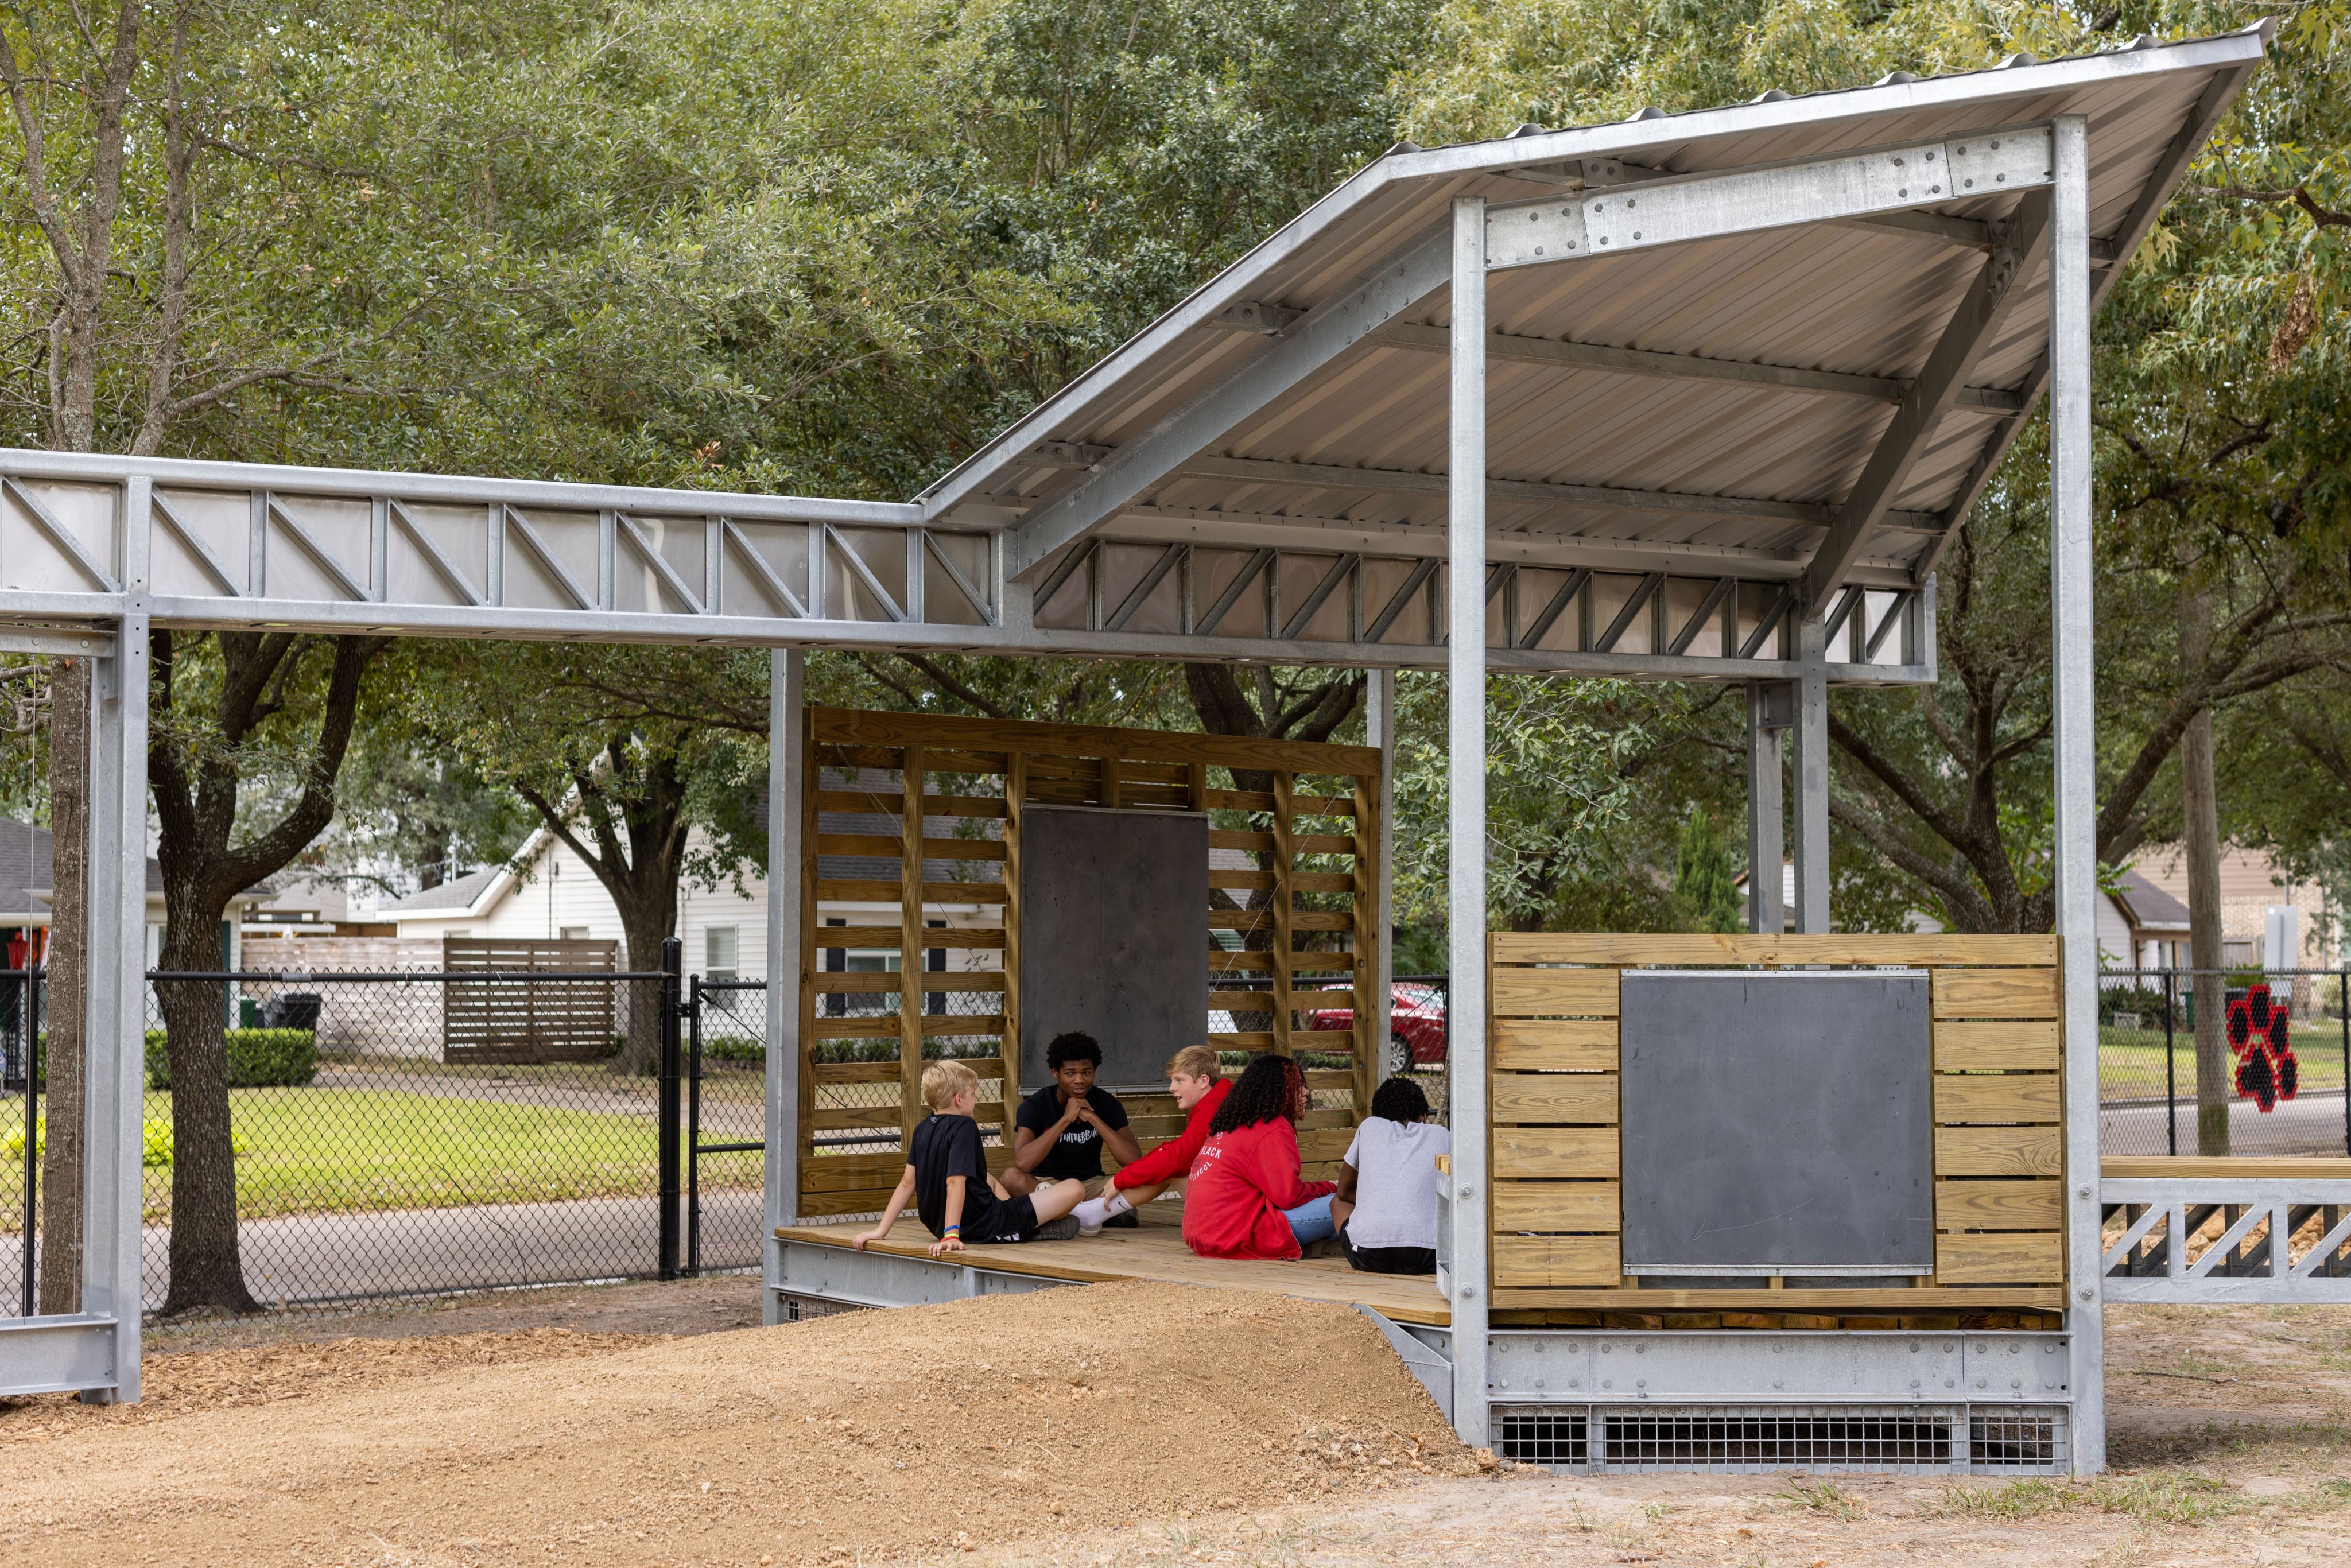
(1416,1027)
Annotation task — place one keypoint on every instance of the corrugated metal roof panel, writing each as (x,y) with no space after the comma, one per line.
(1839,298)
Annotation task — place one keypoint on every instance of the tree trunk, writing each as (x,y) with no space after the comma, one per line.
(646,922)
(66,1053)
(2200,836)
(207,1267)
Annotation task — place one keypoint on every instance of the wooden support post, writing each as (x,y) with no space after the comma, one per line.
(910,939)
(1284,870)
(1015,793)
(812,772)
(1110,781)
(1370,1042)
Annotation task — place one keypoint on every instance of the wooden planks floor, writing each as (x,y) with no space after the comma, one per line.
(1155,1250)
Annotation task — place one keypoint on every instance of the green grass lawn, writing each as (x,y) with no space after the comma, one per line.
(330,1150)
(2130,1062)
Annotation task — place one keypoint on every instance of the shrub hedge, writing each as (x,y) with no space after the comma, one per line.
(258,1057)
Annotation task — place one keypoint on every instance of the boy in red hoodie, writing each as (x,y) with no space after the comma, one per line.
(1199,1088)
(1245,1197)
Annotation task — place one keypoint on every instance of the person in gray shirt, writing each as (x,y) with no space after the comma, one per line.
(1388,1189)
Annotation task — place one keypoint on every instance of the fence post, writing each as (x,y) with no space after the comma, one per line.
(672,962)
(694,1128)
(29,1052)
(2343,1000)
(2170,1069)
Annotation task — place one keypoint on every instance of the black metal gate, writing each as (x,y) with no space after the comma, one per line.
(725,1093)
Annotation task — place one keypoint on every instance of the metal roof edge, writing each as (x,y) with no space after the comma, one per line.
(1620,137)
(560,494)
(2242,47)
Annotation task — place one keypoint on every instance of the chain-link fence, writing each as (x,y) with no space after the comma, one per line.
(401,1134)
(2214,1062)
(23,994)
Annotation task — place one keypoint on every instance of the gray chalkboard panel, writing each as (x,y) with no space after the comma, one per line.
(1114,938)
(1777,1122)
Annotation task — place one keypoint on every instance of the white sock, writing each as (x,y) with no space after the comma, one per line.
(1114,1202)
(1092,1212)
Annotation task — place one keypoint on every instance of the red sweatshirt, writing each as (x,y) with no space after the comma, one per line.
(1241,1183)
(1175,1157)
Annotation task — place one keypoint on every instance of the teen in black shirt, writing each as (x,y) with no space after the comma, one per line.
(1061,1129)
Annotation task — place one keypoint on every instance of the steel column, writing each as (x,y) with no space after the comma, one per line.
(787,678)
(1812,727)
(1465,1012)
(1767,706)
(114,1102)
(2075,701)
(1379,726)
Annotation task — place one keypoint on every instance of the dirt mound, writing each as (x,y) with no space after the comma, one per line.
(862,1436)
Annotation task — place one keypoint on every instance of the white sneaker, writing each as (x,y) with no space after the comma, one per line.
(1090,1215)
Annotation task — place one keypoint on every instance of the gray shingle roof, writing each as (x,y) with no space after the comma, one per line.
(2151,908)
(26,867)
(449,898)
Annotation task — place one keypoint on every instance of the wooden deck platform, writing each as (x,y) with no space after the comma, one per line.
(1155,1250)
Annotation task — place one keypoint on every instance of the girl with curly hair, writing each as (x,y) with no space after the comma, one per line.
(1245,1197)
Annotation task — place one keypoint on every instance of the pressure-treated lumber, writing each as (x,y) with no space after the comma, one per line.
(1997,1106)
(937,770)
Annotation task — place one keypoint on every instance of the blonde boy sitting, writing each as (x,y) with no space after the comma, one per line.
(946,1177)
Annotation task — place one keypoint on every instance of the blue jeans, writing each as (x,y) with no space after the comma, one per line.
(1312,1222)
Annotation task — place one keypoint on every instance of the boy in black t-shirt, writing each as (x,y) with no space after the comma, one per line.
(947,1181)
(1061,1129)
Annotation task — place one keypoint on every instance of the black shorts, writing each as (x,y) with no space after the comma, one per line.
(1012,1219)
(1387,1259)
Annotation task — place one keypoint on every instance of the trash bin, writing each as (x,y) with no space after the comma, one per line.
(295,1009)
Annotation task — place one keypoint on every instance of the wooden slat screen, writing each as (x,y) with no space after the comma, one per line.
(1297,911)
(1999,1130)
(524,1020)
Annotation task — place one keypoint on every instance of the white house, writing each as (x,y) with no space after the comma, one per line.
(548,891)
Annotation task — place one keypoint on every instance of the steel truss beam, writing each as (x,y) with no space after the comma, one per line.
(361,552)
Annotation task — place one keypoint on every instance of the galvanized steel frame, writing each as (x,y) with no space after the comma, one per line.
(2269,1202)
(2075,701)
(1804,1366)
(333,550)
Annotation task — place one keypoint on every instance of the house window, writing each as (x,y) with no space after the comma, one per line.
(575,933)
(719,951)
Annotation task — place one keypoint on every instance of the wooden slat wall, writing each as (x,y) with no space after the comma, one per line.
(989,770)
(1998,1113)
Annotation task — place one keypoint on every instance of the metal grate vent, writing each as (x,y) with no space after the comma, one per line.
(1546,1438)
(2014,1440)
(1771,1440)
